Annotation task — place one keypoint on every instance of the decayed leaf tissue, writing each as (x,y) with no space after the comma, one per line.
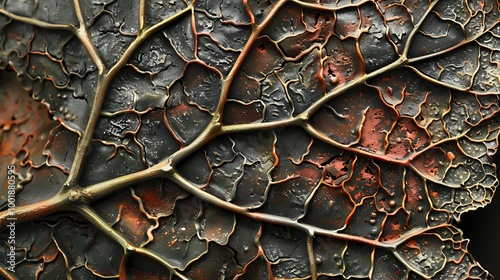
(245,139)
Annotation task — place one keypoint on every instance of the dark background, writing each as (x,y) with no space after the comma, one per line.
(482,227)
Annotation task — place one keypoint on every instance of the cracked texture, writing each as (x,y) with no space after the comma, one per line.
(247,139)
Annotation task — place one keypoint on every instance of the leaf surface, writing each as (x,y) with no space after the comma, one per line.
(247,139)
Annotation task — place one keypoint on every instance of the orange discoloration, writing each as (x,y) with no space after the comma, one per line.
(435,195)
(25,126)
(450,156)
(406,138)
(237,113)
(374,130)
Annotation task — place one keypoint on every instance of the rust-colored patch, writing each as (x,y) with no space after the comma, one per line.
(431,163)
(364,181)
(395,226)
(406,138)
(237,113)
(413,188)
(375,128)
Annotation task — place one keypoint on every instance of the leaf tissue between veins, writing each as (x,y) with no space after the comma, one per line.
(246,139)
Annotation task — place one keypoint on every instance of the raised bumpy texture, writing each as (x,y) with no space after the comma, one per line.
(247,139)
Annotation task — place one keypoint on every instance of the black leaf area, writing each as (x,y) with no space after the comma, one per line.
(245,139)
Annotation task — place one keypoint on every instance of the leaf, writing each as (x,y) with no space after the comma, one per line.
(246,139)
